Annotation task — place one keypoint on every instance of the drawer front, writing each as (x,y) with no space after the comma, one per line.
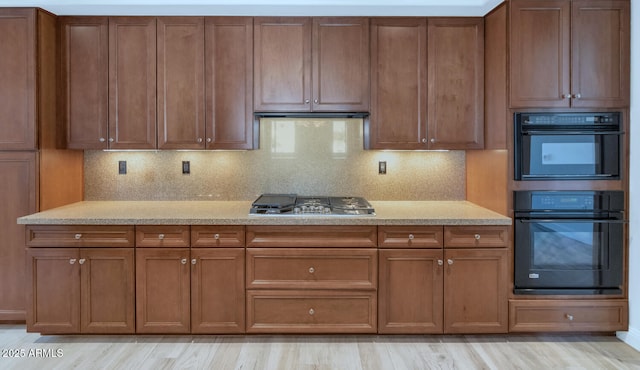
(321,311)
(476,236)
(312,236)
(410,236)
(217,236)
(162,236)
(558,316)
(76,236)
(312,268)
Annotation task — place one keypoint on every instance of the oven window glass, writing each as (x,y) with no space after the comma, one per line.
(564,154)
(567,246)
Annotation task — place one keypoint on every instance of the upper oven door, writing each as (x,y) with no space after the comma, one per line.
(566,151)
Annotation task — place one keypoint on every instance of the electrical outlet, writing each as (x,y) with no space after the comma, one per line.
(186,167)
(382,167)
(122,167)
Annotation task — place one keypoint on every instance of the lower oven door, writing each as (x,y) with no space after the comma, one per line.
(568,256)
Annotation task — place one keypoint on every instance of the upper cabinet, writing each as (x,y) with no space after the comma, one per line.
(566,53)
(311,64)
(420,102)
(18,92)
(147,83)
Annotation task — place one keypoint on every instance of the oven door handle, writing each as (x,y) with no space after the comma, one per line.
(591,221)
(558,133)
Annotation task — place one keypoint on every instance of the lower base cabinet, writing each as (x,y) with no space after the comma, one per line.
(568,315)
(80,290)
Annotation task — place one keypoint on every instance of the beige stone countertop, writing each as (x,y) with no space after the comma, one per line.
(237,213)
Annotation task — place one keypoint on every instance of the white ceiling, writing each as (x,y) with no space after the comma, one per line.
(262,7)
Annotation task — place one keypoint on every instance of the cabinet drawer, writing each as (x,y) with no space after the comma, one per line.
(162,236)
(217,236)
(312,268)
(302,311)
(312,236)
(410,236)
(85,236)
(563,315)
(476,236)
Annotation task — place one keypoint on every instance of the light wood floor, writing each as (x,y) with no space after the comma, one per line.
(315,352)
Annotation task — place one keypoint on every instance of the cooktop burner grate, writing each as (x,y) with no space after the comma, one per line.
(291,204)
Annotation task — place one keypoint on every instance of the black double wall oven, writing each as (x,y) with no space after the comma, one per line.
(568,242)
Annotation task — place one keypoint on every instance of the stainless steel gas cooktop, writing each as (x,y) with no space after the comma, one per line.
(292,204)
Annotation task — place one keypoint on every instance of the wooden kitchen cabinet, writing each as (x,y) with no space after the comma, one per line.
(79,290)
(569,53)
(180,83)
(398,117)
(229,82)
(455,83)
(311,64)
(19,29)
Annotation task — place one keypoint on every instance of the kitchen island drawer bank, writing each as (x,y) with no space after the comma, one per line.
(210,268)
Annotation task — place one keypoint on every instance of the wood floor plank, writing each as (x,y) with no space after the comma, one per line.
(349,352)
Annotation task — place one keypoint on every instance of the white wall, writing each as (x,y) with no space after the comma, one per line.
(632,336)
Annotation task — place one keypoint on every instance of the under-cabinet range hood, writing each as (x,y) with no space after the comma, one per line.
(311,114)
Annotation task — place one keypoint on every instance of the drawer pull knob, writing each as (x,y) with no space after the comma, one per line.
(193,261)
(477,236)
(440,262)
(161,236)
(411,237)
(311,270)
(82,261)
(72,261)
(78,236)
(216,236)
(569,317)
(450,261)
(312,311)
(184,261)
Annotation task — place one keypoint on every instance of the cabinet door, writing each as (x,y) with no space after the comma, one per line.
(229,82)
(282,64)
(410,291)
(53,290)
(600,53)
(19,197)
(180,83)
(456,83)
(217,290)
(398,84)
(539,53)
(132,83)
(340,64)
(476,291)
(18,76)
(84,50)
(162,290)
(107,290)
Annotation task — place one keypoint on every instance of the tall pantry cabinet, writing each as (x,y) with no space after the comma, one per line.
(31,168)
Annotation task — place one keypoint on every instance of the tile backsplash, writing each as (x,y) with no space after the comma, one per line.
(303,156)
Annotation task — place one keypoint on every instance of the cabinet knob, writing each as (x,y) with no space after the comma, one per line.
(82,261)
(312,311)
(440,262)
(566,96)
(72,261)
(209,140)
(315,101)
(183,261)
(411,237)
(424,140)
(193,261)
(450,261)
(311,270)
(78,236)
(576,96)
(161,236)
(433,140)
(199,140)
(111,140)
(306,101)
(477,236)
(569,317)
(102,140)
(216,236)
